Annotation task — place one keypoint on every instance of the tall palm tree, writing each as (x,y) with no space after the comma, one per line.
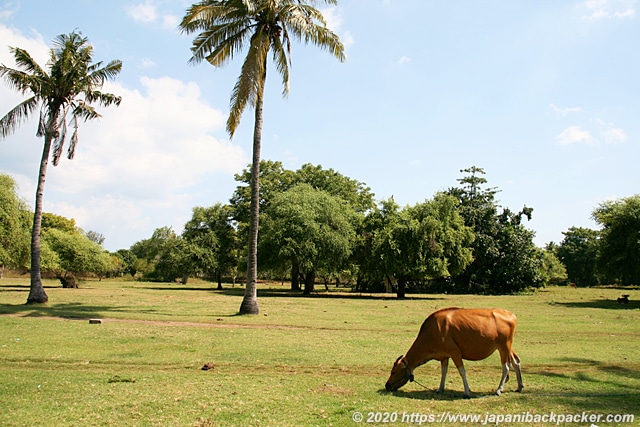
(224,28)
(67,87)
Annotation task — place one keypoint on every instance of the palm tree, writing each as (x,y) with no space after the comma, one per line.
(68,86)
(224,28)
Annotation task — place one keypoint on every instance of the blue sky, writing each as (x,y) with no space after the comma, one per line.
(544,95)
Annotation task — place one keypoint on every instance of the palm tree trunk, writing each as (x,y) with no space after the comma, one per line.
(250,300)
(37,294)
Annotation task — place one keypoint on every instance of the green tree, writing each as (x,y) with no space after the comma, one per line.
(619,255)
(224,28)
(128,260)
(422,242)
(578,251)
(213,231)
(309,230)
(69,86)
(76,256)
(165,256)
(59,222)
(14,226)
(506,259)
(553,270)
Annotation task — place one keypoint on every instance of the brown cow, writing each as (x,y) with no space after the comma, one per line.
(458,333)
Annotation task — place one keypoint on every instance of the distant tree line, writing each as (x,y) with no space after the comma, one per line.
(320,227)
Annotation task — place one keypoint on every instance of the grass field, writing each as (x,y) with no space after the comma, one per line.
(314,361)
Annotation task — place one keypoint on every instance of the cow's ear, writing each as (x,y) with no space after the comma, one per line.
(398,359)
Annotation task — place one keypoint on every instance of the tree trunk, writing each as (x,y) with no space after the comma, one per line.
(37,295)
(250,300)
(219,281)
(295,277)
(309,282)
(401,287)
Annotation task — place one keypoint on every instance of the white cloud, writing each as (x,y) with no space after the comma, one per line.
(146,63)
(156,143)
(35,45)
(609,9)
(610,133)
(574,134)
(563,111)
(148,13)
(143,12)
(8,9)
(334,22)
(403,60)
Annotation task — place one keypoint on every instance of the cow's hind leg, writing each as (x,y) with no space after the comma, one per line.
(444,366)
(515,364)
(504,359)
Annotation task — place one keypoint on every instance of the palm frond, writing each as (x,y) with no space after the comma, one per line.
(71,152)
(281,59)
(18,114)
(24,61)
(251,81)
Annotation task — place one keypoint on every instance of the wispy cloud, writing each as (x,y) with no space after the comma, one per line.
(143,12)
(610,133)
(8,9)
(148,13)
(574,134)
(599,131)
(609,9)
(563,111)
(333,16)
(403,60)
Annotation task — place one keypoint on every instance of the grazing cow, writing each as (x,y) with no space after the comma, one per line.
(458,333)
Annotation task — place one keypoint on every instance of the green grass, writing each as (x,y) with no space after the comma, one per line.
(302,362)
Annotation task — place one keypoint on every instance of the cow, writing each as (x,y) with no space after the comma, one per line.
(458,333)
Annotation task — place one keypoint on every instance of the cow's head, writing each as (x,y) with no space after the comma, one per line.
(400,375)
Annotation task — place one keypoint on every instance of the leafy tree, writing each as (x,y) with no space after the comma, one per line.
(578,251)
(619,255)
(162,257)
(505,258)
(213,231)
(76,256)
(421,242)
(309,230)
(274,179)
(553,270)
(224,28)
(69,85)
(128,261)
(94,236)
(14,226)
(59,222)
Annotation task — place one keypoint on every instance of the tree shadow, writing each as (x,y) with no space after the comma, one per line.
(602,303)
(61,311)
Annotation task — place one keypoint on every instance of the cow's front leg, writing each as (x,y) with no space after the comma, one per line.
(457,360)
(444,366)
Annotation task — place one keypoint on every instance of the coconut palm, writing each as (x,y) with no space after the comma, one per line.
(66,88)
(224,28)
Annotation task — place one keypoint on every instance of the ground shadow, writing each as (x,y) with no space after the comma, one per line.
(62,311)
(426,394)
(602,303)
